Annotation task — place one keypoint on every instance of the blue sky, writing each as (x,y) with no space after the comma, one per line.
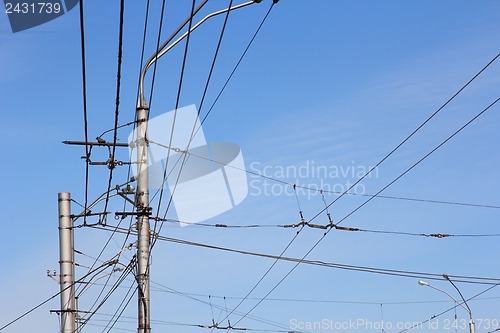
(329,83)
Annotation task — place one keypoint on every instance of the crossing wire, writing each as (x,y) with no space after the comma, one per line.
(201,105)
(315,189)
(171,323)
(384,271)
(184,157)
(229,78)
(418,162)
(84,93)
(417,325)
(412,133)
(327,226)
(97,270)
(431,117)
(179,90)
(160,48)
(360,206)
(164,288)
(193,132)
(117,102)
(373,168)
(128,269)
(126,320)
(302,300)
(116,316)
(236,66)
(118,85)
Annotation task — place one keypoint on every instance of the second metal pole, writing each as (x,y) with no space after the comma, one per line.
(66,264)
(143,227)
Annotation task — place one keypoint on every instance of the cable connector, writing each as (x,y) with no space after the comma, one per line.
(113,262)
(439,235)
(346,228)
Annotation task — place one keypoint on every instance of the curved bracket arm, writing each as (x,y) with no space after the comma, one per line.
(141,103)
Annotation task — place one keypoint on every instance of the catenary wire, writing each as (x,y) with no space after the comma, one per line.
(118,127)
(184,156)
(193,11)
(401,273)
(230,77)
(203,97)
(194,125)
(263,276)
(302,300)
(102,267)
(316,189)
(327,226)
(123,306)
(175,112)
(448,310)
(129,170)
(309,188)
(115,137)
(172,323)
(176,292)
(105,285)
(169,323)
(134,123)
(363,204)
(155,67)
(179,90)
(232,73)
(122,276)
(118,85)
(419,161)
(412,133)
(129,268)
(214,59)
(115,328)
(91,312)
(84,93)
(117,102)
(369,200)
(237,65)
(158,49)
(112,262)
(166,289)
(153,77)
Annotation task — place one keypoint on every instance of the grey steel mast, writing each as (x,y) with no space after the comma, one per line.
(142,193)
(66,264)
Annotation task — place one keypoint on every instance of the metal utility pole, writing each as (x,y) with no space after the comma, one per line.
(143,227)
(472,326)
(142,178)
(67,264)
